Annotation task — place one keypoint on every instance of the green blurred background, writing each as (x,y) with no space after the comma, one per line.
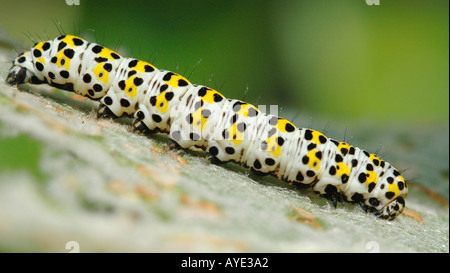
(342,59)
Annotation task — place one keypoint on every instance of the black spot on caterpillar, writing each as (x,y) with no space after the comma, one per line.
(227,129)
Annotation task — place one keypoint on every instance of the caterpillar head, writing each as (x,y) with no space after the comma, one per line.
(22,70)
(388,199)
(393,209)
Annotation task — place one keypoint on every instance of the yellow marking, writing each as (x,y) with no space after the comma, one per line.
(106,53)
(316,135)
(174,80)
(373,157)
(371,177)
(234,135)
(196,117)
(313,162)
(239,135)
(342,168)
(130,87)
(245,107)
(282,125)
(273,147)
(140,66)
(161,102)
(343,145)
(198,121)
(394,188)
(209,96)
(41,60)
(101,73)
(60,56)
(69,40)
(248,107)
(39,46)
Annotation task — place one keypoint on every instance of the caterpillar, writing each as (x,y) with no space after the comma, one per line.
(226,129)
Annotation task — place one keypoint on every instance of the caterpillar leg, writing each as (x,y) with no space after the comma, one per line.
(104,112)
(329,191)
(143,121)
(258,173)
(109,106)
(140,127)
(140,121)
(17,75)
(214,160)
(333,194)
(173,145)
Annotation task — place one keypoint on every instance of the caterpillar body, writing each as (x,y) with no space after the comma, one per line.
(227,129)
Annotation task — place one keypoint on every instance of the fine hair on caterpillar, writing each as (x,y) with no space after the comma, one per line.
(227,129)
